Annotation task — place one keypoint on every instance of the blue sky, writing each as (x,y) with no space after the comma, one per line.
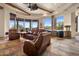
(47,21)
(34,24)
(60,19)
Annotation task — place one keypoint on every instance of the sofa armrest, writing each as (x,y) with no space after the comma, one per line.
(29,48)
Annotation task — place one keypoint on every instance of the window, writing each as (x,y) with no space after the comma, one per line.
(27,24)
(11,23)
(59,23)
(47,23)
(34,24)
(21,25)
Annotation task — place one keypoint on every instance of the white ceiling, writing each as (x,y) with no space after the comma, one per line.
(56,7)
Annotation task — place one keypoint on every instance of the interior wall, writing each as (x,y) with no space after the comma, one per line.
(73,24)
(6,20)
(1,23)
(78,24)
(41,25)
(67,20)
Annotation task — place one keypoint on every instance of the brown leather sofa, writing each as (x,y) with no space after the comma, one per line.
(36,46)
(13,35)
(33,34)
(28,36)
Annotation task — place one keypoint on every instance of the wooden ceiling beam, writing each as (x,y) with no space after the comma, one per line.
(17,8)
(45,10)
(1,7)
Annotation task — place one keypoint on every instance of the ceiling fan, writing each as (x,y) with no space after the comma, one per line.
(34,6)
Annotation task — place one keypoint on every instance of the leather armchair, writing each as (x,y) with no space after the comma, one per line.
(13,35)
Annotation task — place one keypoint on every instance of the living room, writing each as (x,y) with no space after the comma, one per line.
(34,29)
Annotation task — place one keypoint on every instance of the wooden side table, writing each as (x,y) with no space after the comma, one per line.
(67,34)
